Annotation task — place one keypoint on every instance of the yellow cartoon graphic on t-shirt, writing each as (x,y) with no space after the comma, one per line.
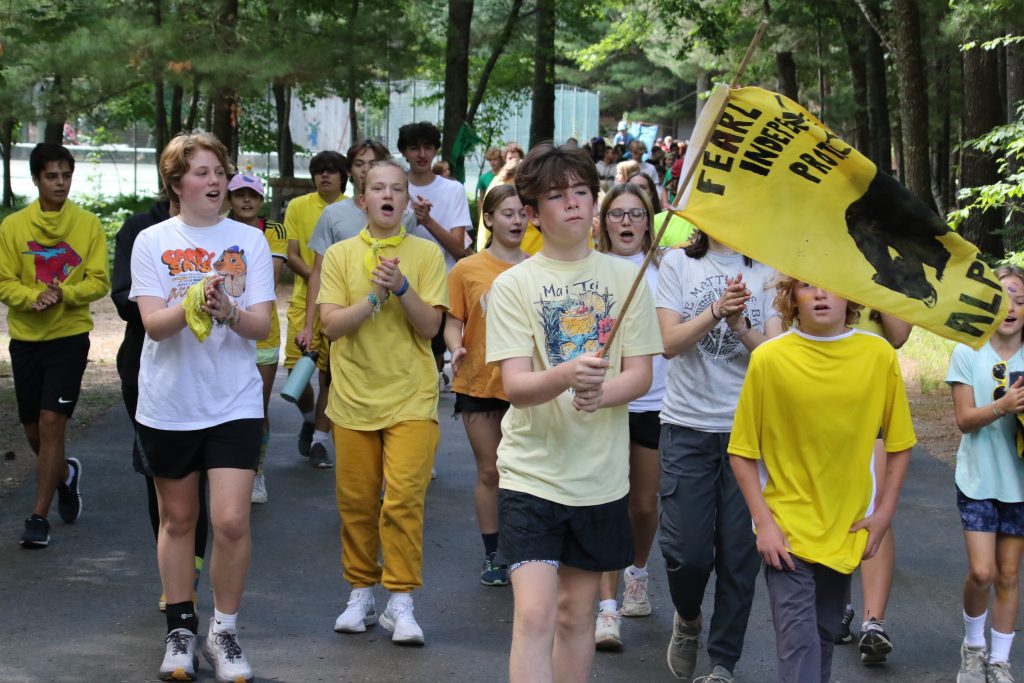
(576,320)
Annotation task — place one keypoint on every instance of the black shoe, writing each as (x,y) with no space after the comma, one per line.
(37,532)
(305,438)
(875,643)
(319,458)
(844,636)
(69,499)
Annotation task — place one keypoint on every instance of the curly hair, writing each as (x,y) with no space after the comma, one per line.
(785,303)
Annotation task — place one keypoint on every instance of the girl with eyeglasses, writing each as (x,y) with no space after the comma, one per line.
(988,398)
(714,307)
(625,230)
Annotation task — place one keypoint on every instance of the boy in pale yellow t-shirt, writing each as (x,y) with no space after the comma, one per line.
(382,294)
(812,404)
(563,460)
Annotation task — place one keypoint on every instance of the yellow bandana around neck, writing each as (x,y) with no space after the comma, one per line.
(377,246)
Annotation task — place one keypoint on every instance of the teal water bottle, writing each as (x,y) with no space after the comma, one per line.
(299,379)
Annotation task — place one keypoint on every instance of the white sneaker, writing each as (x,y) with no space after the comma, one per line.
(635,602)
(360,612)
(180,659)
(259,489)
(606,631)
(398,619)
(223,653)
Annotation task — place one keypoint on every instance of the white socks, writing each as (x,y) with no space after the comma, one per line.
(608,606)
(1001,643)
(223,622)
(974,630)
(321,438)
(634,572)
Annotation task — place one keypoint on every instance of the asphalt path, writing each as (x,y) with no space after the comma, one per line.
(85,609)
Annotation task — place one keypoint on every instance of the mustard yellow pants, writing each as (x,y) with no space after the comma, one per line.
(400,456)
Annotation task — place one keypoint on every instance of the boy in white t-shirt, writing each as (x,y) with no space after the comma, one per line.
(563,459)
(440,204)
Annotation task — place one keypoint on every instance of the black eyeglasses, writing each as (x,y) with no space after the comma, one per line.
(616,215)
(999,374)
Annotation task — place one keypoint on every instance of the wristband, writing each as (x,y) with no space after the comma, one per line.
(742,332)
(375,303)
(713,314)
(235,314)
(403,289)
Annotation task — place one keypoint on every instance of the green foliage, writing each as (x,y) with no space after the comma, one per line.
(930,356)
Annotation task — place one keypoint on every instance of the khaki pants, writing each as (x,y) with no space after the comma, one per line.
(400,456)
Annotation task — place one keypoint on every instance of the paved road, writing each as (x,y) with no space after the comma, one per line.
(85,608)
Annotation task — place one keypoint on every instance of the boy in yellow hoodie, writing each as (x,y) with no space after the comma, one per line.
(53,262)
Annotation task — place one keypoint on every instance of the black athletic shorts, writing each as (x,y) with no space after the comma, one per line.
(464,403)
(437,345)
(48,374)
(174,455)
(594,538)
(645,429)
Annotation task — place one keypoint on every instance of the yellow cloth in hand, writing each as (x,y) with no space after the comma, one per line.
(198,320)
(372,258)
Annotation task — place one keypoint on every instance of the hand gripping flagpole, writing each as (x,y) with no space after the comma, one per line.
(683,182)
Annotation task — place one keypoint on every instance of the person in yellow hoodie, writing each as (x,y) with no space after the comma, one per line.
(53,263)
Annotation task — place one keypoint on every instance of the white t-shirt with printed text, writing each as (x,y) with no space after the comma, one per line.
(184,384)
(703,383)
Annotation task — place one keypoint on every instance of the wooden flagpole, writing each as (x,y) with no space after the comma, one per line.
(683,183)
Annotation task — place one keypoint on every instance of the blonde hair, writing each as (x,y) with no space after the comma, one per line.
(177,155)
(785,303)
(384,163)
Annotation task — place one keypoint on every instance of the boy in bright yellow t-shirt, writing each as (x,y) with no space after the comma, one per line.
(382,294)
(812,404)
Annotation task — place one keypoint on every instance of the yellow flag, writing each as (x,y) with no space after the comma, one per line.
(777,185)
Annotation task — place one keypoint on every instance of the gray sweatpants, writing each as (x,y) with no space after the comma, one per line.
(705,525)
(807,605)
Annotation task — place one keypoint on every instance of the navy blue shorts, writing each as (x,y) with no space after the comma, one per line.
(990,515)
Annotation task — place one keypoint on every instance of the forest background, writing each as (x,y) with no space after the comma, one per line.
(931,89)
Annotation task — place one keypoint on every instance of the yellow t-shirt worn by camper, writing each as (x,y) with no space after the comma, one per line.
(299,220)
(383,373)
(810,411)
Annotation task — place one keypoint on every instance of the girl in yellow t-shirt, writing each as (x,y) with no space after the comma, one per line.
(382,294)
(479,396)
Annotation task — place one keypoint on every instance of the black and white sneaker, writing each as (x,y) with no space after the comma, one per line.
(69,498)
(224,654)
(875,643)
(37,532)
(319,457)
(306,438)
(844,636)
(180,659)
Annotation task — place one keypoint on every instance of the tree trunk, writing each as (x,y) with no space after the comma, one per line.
(1014,100)
(225,102)
(496,50)
(850,28)
(897,144)
(913,82)
(542,120)
(55,113)
(982,111)
(941,146)
(177,103)
(456,79)
(6,147)
(285,146)
(160,137)
(786,71)
(878,100)
(351,82)
(193,106)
